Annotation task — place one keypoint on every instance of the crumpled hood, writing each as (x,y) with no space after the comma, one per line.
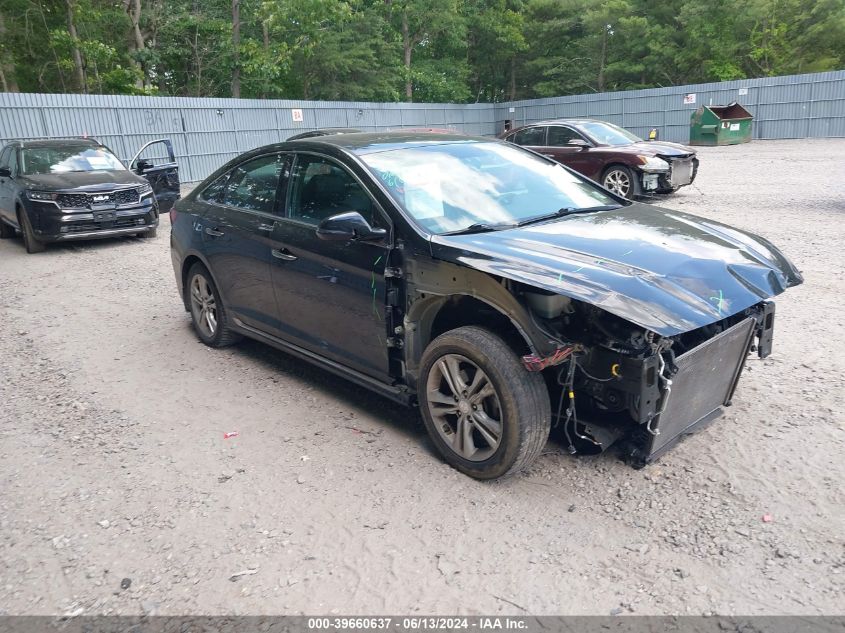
(666,271)
(82,180)
(662,148)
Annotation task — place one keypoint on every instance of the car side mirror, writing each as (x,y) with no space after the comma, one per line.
(578,142)
(350,225)
(5,172)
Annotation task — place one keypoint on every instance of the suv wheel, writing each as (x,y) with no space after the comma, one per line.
(485,413)
(209,316)
(32,244)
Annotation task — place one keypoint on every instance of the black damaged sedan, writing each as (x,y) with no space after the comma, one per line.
(494,288)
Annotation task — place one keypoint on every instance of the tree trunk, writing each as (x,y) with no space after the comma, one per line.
(133,8)
(602,58)
(513,80)
(7,66)
(236,44)
(406,45)
(79,68)
(41,82)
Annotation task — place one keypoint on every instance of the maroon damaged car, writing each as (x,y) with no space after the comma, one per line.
(610,155)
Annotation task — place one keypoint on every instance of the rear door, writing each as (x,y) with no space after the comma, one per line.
(533,137)
(331,295)
(237,234)
(156,162)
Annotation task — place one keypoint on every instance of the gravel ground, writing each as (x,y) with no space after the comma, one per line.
(120,495)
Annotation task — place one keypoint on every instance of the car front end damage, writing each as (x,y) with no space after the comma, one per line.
(665,173)
(614,381)
(640,319)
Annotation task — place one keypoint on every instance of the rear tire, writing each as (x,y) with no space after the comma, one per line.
(487,415)
(6,231)
(620,180)
(32,244)
(208,314)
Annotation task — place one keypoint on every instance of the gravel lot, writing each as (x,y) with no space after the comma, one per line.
(113,462)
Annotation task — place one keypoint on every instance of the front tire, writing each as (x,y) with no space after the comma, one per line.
(487,415)
(32,244)
(620,180)
(148,235)
(208,314)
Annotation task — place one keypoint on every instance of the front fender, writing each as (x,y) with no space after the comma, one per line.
(430,283)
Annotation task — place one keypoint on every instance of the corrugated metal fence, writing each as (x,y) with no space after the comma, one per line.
(208,132)
(794,106)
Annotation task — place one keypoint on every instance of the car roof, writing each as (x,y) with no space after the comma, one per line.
(56,142)
(325,131)
(565,121)
(370,142)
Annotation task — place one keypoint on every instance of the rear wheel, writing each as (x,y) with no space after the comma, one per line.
(485,413)
(32,244)
(620,180)
(209,316)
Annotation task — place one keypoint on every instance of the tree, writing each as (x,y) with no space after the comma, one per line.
(417,50)
(428,25)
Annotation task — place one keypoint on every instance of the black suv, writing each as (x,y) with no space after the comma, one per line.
(490,285)
(71,189)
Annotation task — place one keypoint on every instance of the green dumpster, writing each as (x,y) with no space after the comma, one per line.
(720,125)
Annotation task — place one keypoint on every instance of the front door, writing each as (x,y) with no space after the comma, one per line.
(156,162)
(578,157)
(237,231)
(331,295)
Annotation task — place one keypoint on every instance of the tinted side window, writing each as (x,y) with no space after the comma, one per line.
(320,189)
(531,136)
(4,156)
(214,191)
(13,162)
(559,136)
(253,184)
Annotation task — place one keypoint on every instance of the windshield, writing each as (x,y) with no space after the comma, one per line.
(609,134)
(58,160)
(451,187)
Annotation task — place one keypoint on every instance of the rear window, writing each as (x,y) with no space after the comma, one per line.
(530,136)
(59,160)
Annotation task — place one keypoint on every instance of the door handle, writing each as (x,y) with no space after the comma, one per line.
(283,254)
(214,232)
(265,227)
(549,155)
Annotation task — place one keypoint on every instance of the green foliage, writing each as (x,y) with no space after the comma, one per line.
(424,50)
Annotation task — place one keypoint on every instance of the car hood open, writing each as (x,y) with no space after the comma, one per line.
(666,271)
(87,180)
